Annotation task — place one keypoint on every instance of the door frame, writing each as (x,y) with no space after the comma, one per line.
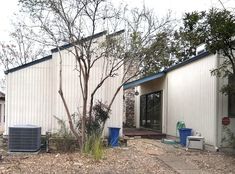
(161,110)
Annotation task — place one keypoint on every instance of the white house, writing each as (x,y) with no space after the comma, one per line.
(185,92)
(32,90)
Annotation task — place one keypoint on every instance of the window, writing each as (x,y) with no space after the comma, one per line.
(151,110)
(231,97)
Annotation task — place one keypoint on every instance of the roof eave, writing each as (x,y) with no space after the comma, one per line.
(164,72)
(28,64)
(66,46)
(143,80)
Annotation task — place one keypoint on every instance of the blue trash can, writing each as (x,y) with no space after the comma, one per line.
(184,132)
(113,136)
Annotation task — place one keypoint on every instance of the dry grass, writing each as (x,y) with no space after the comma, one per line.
(140,156)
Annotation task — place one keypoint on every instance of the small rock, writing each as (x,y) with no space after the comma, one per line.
(125,148)
(77,164)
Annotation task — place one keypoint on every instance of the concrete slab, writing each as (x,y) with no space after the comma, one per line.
(181,165)
(168,158)
(190,172)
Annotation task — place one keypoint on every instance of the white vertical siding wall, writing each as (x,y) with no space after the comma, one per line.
(28,97)
(32,93)
(192,98)
(73,95)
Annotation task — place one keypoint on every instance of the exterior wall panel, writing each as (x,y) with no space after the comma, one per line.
(192,98)
(32,93)
(28,96)
(189,95)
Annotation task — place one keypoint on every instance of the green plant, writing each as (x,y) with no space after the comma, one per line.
(94,128)
(229,137)
(95,124)
(94,146)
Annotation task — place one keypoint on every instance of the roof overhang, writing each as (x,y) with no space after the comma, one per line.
(143,80)
(164,72)
(28,64)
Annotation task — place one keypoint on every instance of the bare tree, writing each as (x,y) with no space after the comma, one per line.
(68,21)
(20,50)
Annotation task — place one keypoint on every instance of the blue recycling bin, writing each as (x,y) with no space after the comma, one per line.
(113,136)
(184,132)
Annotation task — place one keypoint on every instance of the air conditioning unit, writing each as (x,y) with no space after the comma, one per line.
(195,142)
(24,138)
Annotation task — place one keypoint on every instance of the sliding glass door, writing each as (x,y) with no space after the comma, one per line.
(151,111)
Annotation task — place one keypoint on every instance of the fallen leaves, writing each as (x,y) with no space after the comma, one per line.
(138,157)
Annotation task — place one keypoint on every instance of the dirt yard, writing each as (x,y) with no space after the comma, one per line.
(140,156)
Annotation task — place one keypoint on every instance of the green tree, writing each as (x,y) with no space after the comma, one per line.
(188,37)
(158,54)
(150,40)
(215,28)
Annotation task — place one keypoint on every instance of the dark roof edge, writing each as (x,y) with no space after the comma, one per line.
(3,95)
(116,33)
(159,74)
(61,48)
(143,80)
(197,57)
(28,64)
(54,50)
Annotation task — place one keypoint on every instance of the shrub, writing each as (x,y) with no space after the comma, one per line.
(94,128)
(100,114)
(229,137)
(94,146)
(63,140)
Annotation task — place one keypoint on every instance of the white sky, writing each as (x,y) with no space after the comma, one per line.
(178,7)
(161,7)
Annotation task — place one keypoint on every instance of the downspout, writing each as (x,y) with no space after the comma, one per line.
(217,62)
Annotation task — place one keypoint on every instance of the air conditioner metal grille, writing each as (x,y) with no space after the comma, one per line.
(24,138)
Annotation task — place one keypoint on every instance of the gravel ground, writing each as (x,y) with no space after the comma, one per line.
(140,156)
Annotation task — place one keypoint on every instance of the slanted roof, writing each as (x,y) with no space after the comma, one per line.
(29,64)
(62,48)
(190,60)
(82,40)
(116,33)
(2,96)
(143,80)
(158,75)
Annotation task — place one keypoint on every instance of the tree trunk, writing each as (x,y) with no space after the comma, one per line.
(84,111)
(71,126)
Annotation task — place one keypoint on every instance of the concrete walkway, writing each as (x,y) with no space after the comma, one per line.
(179,164)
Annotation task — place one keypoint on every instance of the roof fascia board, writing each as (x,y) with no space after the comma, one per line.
(115,33)
(202,55)
(143,80)
(28,64)
(162,73)
(63,47)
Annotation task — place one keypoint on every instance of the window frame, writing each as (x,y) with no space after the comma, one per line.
(231,79)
